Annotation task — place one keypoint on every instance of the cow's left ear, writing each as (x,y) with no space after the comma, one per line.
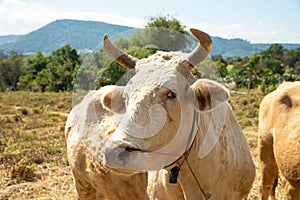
(112,99)
(209,94)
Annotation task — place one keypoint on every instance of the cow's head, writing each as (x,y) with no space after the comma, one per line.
(160,106)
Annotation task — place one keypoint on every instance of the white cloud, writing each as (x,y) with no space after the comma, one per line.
(257,32)
(20,17)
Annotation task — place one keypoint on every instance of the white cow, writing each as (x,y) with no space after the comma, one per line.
(164,118)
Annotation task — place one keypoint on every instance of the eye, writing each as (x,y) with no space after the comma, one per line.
(171,95)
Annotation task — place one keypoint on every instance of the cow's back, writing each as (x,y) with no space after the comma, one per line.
(286,131)
(279,135)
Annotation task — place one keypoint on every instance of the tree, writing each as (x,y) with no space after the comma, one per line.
(273,58)
(30,70)
(10,69)
(2,55)
(85,75)
(221,64)
(114,73)
(60,70)
(163,32)
(167,33)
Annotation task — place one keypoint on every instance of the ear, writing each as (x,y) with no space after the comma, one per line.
(113,100)
(209,94)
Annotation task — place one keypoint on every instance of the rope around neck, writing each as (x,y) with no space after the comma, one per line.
(206,195)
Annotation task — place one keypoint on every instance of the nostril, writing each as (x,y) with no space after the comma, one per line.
(123,155)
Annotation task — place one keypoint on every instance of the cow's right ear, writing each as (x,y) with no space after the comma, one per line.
(209,94)
(113,100)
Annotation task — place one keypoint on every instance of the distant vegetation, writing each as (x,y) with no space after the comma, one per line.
(65,68)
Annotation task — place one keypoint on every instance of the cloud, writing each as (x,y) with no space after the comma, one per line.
(20,17)
(256,32)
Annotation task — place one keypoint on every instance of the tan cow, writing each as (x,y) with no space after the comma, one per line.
(88,127)
(163,118)
(279,140)
(170,120)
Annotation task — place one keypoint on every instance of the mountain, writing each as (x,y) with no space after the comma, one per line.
(238,47)
(9,39)
(87,35)
(79,34)
(232,47)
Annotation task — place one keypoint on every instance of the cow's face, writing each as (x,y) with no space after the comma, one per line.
(160,106)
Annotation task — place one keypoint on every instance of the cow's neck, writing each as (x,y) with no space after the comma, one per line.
(189,177)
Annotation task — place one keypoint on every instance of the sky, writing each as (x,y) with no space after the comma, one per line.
(258,21)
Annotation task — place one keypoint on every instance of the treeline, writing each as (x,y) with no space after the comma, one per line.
(263,70)
(65,68)
(40,72)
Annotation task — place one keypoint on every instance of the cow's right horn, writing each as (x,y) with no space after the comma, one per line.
(202,50)
(125,60)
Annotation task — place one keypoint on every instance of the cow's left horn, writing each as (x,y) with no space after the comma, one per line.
(126,60)
(203,49)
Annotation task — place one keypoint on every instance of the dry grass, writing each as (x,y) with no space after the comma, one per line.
(33,163)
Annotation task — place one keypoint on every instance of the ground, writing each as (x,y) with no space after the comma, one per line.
(33,162)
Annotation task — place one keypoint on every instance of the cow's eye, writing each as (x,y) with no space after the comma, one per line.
(171,95)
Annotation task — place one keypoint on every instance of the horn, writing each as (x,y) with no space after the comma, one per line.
(125,60)
(202,50)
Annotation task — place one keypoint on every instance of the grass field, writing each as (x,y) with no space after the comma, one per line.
(33,163)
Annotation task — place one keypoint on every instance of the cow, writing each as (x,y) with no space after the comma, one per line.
(173,121)
(165,121)
(279,140)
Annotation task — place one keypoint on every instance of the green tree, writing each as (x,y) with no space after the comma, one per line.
(221,64)
(167,33)
(115,74)
(273,58)
(2,55)
(10,70)
(60,70)
(85,75)
(30,70)
(291,60)
(253,70)
(163,32)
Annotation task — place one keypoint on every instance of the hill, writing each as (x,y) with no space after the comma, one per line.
(233,47)
(79,34)
(87,35)
(9,39)
(238,47)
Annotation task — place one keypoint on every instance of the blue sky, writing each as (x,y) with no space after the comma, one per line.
(253,20)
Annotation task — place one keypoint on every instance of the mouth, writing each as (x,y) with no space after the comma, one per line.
(132,149)
(118,172)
